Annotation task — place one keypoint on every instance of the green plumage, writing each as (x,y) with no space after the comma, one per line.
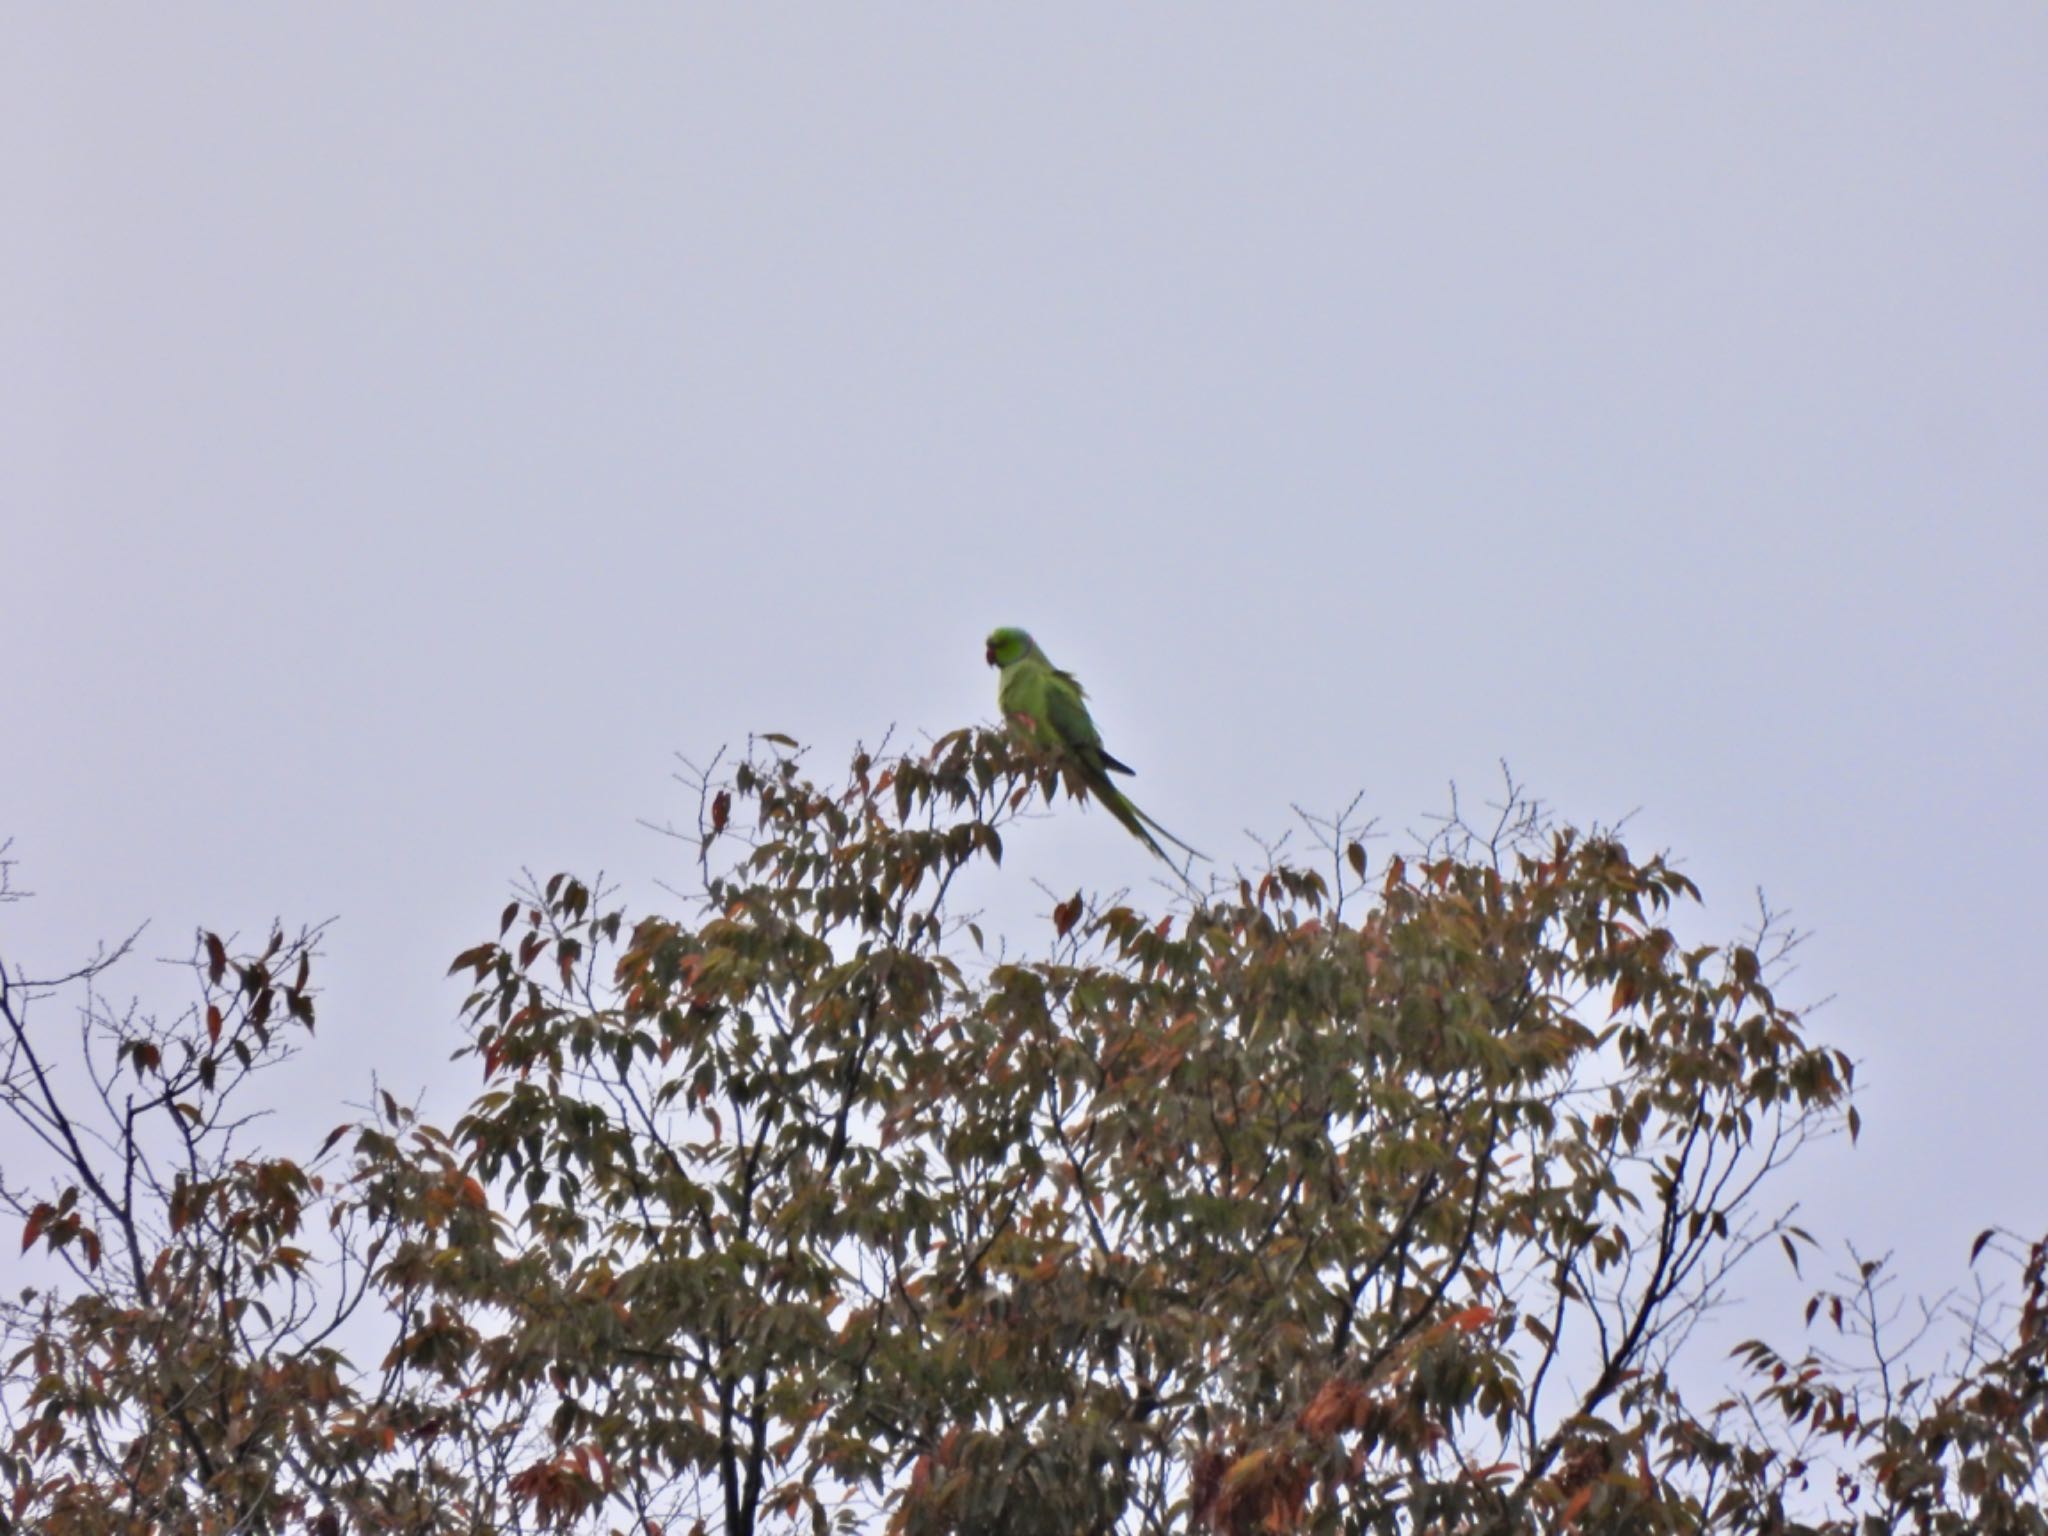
(1048,709)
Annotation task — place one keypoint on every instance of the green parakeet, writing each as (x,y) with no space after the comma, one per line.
(1047,708)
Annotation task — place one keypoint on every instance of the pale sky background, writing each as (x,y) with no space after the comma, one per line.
(418,423)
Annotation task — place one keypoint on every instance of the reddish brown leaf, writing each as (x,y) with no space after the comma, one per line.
(1330,1409)
(1066,914)
(479,959)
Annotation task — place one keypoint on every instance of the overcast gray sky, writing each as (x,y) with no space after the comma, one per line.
(417,423)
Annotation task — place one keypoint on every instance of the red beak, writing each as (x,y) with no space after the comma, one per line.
(988,654)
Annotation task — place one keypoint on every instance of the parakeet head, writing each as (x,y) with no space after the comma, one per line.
(1007,645)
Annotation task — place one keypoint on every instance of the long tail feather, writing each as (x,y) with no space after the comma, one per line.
(1184,847)
(1133,821)
(1136,821)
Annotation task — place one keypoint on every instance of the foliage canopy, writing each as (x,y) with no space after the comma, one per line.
(1321,1203)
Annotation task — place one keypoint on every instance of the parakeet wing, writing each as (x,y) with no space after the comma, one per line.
(1067,713)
